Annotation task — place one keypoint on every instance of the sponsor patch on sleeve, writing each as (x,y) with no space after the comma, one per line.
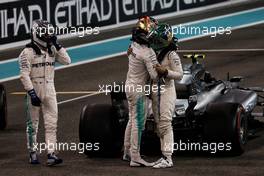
(175,58)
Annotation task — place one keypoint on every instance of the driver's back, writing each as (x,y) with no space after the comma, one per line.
(141,64)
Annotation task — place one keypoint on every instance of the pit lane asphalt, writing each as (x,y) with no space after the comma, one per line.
(13,156)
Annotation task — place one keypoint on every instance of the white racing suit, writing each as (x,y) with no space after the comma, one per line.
(163,116)
(37,72)
(141,62)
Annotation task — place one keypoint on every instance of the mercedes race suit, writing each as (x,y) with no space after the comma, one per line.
(141,68)
(37,72)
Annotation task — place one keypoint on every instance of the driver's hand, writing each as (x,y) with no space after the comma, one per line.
(162,71)
(129,51)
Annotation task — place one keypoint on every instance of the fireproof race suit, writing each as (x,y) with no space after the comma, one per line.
(37,72)
(141,62)
(163,116)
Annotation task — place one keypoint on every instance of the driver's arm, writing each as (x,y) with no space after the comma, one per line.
(150,60)
(24,61)
(175,71)
(62,57)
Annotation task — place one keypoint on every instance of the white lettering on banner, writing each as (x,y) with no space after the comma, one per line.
(21,21)
(192,1)
(82,10)
(18,17)
(90,9)
(32,9)
(59,14)
(188,1)
(144,6)
(69,4)
(154,2)
(2,24)
(107,15)
(9,21)
(93,10)
(163,4)
(136,7)
(126,11)
(48,9)
(134,3)
(69,13)
(168,4)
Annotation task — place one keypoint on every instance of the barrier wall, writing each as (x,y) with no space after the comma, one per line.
(16,16)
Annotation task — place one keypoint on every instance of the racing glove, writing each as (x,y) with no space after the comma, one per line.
(129,51)
(161,70)
(55,42)
(35,101)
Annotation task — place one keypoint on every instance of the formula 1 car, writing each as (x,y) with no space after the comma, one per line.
(207,110)
(3,108)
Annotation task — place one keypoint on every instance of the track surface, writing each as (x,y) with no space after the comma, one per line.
(13,155)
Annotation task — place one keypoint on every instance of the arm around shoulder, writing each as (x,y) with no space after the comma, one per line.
(150,60)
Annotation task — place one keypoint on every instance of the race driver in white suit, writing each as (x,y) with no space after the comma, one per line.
(37,63)
(163,102)
(142,60)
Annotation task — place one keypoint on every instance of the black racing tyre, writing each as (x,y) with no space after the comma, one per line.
(3,108)
(227,123)
(98,127)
